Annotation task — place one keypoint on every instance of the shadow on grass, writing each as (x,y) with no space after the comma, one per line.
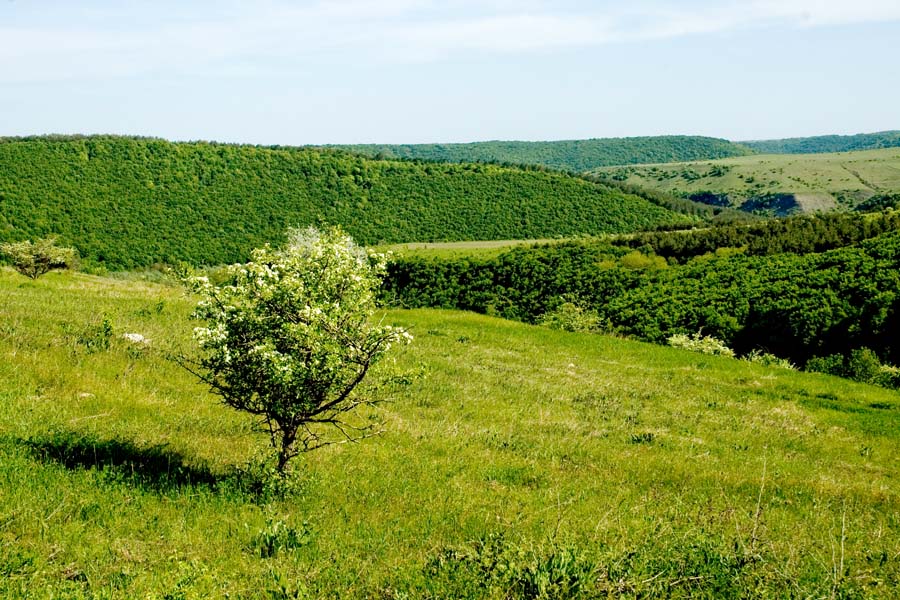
(152,467)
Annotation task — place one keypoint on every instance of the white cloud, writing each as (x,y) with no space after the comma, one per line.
(106,44)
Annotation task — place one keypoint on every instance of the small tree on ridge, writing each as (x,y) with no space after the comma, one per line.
(289,337)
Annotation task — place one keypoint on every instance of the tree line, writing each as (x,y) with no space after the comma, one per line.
(797,306)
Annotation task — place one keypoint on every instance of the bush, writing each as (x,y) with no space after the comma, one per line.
(769,360)
(704,344)
(289,336)
(861,365)
(35,259)
(833,364)
(569,316)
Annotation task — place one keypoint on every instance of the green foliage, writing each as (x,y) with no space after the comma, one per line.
(288,337)
(569,316)
(802,305)
(570,155)
(495,567)
(770,360)
(35,259)
(277,537)
(94,337)
(861,364)
(704,344)
(802,234)
(827,143)
(127,203)
(879,202)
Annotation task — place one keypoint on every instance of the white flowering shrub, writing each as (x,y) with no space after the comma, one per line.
(770,360)
(35,259)
(704,344)
(289,336)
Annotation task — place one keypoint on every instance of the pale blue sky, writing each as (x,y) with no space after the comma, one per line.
(395,71)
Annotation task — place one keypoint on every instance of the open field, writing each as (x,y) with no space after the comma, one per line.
(525,462)
(481,249)
(775,183)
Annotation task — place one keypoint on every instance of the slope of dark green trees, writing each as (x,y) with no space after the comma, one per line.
(796,305)
(568,155)
(802,234)
(131,202)
(827,143)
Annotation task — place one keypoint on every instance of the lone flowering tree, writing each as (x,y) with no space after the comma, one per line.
(33,259)
(290,335)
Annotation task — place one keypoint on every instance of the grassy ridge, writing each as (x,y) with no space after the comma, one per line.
(827,143)
(570,155)
(634,470)
(131,202)
(774,184)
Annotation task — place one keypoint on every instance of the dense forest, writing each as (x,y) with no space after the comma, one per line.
(796,305)
(827,143)
(568,155)
(802,234)
(130,202)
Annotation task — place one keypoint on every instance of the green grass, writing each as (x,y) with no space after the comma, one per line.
(813,181)
(523,455)
(450,250)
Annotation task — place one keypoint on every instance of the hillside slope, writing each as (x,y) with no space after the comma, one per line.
(588,465)
(773,183)
(827,143)
(127,202)
(569,155)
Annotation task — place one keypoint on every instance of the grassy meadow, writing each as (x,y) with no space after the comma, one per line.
(524,462)
(451,250)
(814,181)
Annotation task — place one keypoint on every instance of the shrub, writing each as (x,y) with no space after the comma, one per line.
(289,336)
(704,344)
(569,316)
(35,259)
(833,364)
(769,360)
(861,365)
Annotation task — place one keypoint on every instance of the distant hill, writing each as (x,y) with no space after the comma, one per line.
(827,143)
(130,202)
(568,155)
(774,184)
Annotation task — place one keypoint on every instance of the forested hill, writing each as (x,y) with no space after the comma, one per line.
(827,143)
(569,155)
(129,202)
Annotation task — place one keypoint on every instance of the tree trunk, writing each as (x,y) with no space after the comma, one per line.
(286,452)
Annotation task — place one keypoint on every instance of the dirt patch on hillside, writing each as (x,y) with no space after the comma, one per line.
(815,202)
